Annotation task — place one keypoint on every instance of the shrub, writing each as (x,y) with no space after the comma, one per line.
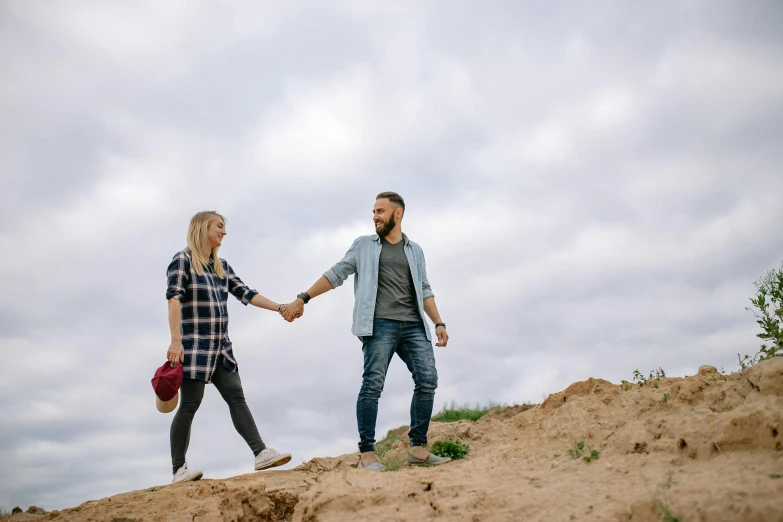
(768,310)
(452,448)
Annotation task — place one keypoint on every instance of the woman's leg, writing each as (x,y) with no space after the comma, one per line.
(230,387)
(190,394)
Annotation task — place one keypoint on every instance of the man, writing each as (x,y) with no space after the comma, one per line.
(392,295)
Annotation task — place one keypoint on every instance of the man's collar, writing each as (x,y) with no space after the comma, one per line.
(377,238)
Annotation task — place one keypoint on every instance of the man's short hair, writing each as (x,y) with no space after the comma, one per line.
(393,197)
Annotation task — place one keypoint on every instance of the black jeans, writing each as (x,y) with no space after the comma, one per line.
(190,394)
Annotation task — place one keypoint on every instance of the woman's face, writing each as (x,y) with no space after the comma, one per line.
(215,233)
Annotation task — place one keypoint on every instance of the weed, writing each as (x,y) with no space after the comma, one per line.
(452,448)
(583,451)
(667,515)
(392,460)
(556,455)
(774,475)
(152,490)
(768,305)
(454,413)
(625,385)
(657,375)
(391,437)
(665,512)
(665,397)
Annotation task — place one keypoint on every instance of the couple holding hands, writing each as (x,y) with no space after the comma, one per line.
(392,296)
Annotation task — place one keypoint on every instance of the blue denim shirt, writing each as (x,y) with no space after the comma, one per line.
(362,260)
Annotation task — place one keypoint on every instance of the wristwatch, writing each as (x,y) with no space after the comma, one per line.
(440,324)
(304,296)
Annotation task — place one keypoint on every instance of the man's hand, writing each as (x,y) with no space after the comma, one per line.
(443,337)
(176,352)
(293,310)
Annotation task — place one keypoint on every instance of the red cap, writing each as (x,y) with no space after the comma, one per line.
(167,381)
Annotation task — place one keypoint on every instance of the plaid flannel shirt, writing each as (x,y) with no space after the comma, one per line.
(204,325)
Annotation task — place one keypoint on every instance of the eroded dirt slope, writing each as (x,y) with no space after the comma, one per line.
(711,450)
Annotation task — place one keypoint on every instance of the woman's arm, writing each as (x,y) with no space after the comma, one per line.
(176,350)
(265,303)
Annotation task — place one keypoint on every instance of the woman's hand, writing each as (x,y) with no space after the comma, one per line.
(176,352)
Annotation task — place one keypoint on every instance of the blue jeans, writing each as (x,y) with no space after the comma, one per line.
(409,341)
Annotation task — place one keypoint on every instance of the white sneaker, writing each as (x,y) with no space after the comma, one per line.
(183,474)
(269,458)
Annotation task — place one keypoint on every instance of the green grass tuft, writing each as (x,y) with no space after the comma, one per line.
(452,448)
(393,460)
(454,413)
(391,437)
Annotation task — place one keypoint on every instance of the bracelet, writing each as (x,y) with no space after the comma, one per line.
(440,324)
(304,296)
(280,308)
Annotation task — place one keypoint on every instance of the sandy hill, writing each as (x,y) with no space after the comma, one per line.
(702,448)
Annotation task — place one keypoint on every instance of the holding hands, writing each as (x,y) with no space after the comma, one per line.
(292,310)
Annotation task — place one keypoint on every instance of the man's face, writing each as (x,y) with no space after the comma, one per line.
(383,216)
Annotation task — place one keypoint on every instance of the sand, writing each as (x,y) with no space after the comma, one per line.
(712,451)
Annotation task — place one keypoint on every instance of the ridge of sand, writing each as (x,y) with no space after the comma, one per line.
(711,452)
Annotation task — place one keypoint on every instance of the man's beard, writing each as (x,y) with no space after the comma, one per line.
(387,227)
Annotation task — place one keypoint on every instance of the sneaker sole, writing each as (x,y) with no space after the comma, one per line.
(191,478)
(425,463)
(281,460)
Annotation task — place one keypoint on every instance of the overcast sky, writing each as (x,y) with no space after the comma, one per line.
(596,185)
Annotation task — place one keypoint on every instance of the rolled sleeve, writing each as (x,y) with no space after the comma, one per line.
(178,275)
(426,290)
(344,268)
(237,288)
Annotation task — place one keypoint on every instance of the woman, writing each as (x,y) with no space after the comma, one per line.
(198,286)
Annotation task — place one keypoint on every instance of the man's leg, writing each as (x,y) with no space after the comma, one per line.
(416,351)
(378,351)
(190,394)
(230,387)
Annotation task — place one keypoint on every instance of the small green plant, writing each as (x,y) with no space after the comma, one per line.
(774,475)
(665,397)
(583,451)
(768,310)
(452,448)
(656,375)
(625,385)
(665,512)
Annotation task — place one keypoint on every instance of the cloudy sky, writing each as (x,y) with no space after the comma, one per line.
(596,185)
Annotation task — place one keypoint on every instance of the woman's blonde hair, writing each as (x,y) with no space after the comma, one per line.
(197,236)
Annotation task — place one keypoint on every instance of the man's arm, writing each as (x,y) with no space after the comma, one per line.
(431,309)
(333,278)
(295,308)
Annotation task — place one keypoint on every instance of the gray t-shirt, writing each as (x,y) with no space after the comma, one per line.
(396,294)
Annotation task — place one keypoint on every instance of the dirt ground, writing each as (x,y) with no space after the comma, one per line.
(704,448)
